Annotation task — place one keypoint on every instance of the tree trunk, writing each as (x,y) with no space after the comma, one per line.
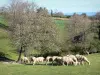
(99,32)
(20,53)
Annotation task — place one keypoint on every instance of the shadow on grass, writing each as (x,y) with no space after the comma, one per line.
(44,64)
(4,58)
(3,26)
(35,64)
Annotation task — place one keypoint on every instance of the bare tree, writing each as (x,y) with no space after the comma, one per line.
(30,27)
(58,14)
(77,28)
(47,32)
(52,13)
(97,19)
(19,24)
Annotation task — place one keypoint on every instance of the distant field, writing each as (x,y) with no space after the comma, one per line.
(60,23)
(3,21)
(58,18)
(93,69)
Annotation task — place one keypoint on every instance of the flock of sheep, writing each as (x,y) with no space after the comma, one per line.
(65,60)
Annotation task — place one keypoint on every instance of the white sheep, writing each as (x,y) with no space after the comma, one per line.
(48,59)
(32,59)
(81,59)
(37,60)
(68,60)
(74,58)
(59,57)
(53,59)
(24,60)
(40,59)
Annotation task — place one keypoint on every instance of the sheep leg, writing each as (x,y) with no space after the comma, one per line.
(52,62)
(34,62)
(78,63)
(82,63)
(67,63)
(47,61)
(63,64)
(27,61)
(75,64)
(88,62)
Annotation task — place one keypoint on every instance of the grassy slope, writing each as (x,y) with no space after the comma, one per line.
(61,24)
(2,20)
(5,44)
(93,69)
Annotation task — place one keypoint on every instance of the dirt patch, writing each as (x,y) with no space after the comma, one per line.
(14,63)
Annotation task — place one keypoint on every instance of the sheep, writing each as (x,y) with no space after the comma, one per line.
(40,59)
(48,59)
(59,57)
(68,60)
(24,60)
(81,59)
(53,59)
(32,60)
(37,60)
(58,60)
(74,58)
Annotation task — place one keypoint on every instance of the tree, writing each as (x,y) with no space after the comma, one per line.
(42,11)
(58,14)
(84,15)
(30,27)
(77,28)
(98,22)
(52,13)
(19,17)
(47,34)
(95,44)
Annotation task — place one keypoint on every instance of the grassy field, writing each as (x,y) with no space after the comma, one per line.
(5,43)
(93,69)
(2,20)
(60,23)
(9,69)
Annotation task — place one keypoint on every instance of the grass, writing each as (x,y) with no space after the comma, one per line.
(3,21)
(5,45)
(60,23)
(8,69)
(93,69)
